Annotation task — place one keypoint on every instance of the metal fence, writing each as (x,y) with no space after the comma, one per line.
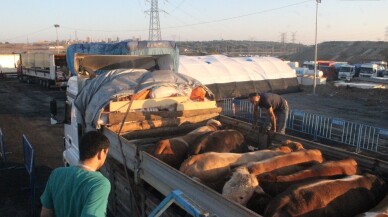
(360,136)
(29,164)
(3,153)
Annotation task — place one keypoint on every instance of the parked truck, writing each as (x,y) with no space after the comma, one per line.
(346,72)
(49,70)
(382,68)
(107,94)
(368,70)
(8,64)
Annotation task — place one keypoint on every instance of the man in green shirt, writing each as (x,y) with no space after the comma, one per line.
(79,190)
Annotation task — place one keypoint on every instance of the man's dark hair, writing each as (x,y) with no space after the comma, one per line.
(91,143)
(253,94)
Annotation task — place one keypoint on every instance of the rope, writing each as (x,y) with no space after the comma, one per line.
(134,204)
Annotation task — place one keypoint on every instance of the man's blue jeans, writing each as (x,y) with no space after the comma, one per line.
(281,120)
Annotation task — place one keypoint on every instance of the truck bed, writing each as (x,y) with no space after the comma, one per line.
(146,170)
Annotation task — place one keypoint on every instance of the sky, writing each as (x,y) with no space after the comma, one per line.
(195,20)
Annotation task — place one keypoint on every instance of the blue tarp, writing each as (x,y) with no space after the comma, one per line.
(124,48)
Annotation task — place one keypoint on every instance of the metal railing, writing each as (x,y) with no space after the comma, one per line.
(358,135)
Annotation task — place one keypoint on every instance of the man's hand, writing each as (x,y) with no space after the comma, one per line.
(46,212)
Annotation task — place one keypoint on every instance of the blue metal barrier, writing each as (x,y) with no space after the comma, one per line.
(186,203)
(3,152)
(239,108)
(382,141)
(29,164)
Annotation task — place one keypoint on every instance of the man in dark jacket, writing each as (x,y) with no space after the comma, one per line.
(277,109)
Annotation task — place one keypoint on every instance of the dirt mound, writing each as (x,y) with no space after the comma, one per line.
(344,51)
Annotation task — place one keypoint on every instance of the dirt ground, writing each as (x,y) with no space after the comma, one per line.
(368,107)
(24,109)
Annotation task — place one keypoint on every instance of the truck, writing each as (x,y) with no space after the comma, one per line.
(368,70)
(328,68)
(140,181)
(382,68)
(8,64)
(309,68)
(49,70)
(346,72)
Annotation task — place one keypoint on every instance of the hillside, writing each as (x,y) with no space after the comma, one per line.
(343,51)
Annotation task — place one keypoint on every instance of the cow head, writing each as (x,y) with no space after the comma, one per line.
(241,186)
(214,123)
(284,149)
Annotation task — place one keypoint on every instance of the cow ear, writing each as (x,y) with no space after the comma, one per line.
(259,190)
(235,165)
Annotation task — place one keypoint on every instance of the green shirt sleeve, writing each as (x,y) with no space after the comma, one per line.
(97,200)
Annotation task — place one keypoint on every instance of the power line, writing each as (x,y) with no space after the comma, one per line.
(170,27)
(195,24)
(100,30)
(178,6)
(240,16)
(29,34)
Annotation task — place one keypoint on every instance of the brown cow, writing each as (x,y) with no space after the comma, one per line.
(174,151)
(211,166)
(327,169)
(220,141)
(242,192)
(340,197)
(257,168)
(274,184)
(274,188)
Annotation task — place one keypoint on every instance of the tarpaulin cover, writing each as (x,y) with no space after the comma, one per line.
(98,92)
(238,76)
(124,48)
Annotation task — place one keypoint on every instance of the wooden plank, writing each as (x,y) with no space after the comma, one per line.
(162,102)
(121,106)
(196,105)
(165,122)
(117,118)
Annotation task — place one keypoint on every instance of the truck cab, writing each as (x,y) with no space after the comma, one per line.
(381,68)
(309,66)
(346,72)
(368,70)
(71,126)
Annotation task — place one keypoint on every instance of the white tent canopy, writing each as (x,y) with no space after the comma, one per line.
(222,71)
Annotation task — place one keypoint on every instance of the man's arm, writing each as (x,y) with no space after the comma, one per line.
(272,118)
(46,212)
